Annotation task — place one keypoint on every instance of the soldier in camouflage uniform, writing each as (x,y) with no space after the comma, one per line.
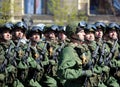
(50,76)
(70,67)
(38,57)
(7,68)
(62,42)
(96,79)
(19,38)
(113,60)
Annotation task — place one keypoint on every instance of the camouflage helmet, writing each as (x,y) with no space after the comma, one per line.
(21,25)
(90,28)
(50,28)
(72,28)
(100,25)
(113,26)
(61,29)
(82,24)
(41,26)
(36,29)
(8,26)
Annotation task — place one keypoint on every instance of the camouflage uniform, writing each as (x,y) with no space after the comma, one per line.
(113,61)
(38,58)
(98,69)
(70,65)
(20,50)
(50,78)
(8,66)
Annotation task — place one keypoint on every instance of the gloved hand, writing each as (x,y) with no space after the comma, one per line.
(87,73)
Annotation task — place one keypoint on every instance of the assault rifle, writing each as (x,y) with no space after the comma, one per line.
(15,54)
(41,57)
(108,59)
(7,56)
(38,60)
(27,54)
(55,56)
(92,63)
(100,61)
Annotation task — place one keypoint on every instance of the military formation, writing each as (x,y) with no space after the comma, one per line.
(79,54)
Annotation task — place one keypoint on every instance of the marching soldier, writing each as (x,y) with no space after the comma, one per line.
(7,68)
(50,77)
(113,60)
(19,38)
(38,57)
(70,67)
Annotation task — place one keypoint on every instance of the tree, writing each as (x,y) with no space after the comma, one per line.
(64,12)
(6,10)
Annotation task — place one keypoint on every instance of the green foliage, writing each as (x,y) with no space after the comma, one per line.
(5,10)
(64,13)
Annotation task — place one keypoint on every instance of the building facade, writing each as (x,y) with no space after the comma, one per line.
(38,9)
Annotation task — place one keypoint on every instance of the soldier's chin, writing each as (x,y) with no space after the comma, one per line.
(114,38)
(7,39)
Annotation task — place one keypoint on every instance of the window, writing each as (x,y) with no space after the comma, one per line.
(35,6)
(104,6)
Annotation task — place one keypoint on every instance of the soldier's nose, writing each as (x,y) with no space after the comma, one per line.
(19,33)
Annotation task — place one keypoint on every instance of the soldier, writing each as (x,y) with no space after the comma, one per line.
(104,49)
(70,66)
(100,29)
(50,77)
(62,38)
(19,38)
(96,79)
(61,34)
(113,60)
(7,68)
(38,54)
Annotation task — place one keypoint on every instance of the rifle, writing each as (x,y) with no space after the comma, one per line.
(92,63)
(57,51)
(38,60)
(60,48)
(107,60)
(24,59)
(102,54)
(7,56)
(55,56)
(15,54)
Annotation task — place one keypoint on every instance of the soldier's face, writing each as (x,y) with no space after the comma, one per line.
(99,33)
(52,35)
(62,36)
(19,33)
(113,34)
(35,37)
(81,35)
(90,36)
(6,35)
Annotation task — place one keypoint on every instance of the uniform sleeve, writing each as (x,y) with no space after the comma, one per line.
(2,53)
(68,65)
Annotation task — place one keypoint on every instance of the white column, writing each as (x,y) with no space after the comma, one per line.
(12,10)
(22,3)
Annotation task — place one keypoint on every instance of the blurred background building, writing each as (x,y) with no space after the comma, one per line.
(102,10)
